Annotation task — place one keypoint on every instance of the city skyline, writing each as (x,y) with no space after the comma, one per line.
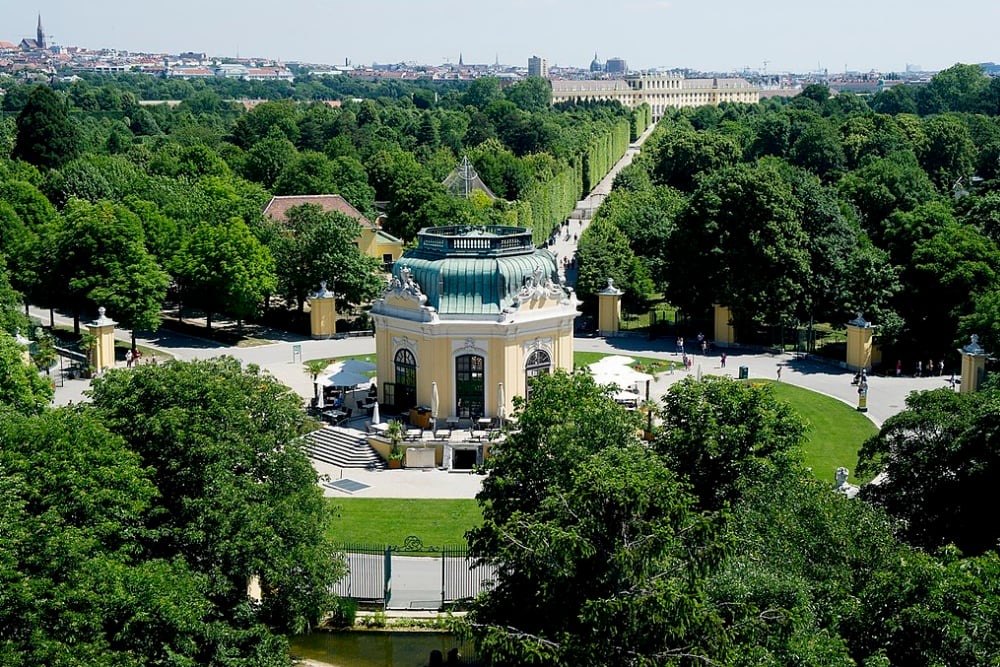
(777,35)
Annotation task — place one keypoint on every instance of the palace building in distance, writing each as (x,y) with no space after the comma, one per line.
(660,91)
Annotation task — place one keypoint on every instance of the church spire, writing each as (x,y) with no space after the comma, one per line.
(40,33)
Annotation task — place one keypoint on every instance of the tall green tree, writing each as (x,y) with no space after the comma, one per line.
(723,436)
(941,466)
(266,159)
(949,155)
(741,243)
(46,135)
(263,120)
(237,496)
(79,585)
(313,246)
(224,269)
(100,259)
(604,253)
(22,389)
(876,190)
(591,538)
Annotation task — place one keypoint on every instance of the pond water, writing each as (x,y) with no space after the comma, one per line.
(375,649)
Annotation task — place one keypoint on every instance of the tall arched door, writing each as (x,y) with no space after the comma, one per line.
(470,386)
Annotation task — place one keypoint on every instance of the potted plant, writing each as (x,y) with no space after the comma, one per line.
(648,408)
(395,434)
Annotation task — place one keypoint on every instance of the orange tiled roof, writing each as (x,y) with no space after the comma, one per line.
(277,208)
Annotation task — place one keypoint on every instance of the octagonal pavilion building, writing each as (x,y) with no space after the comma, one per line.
(472,313)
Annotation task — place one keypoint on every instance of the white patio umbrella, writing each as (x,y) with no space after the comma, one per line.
(501,404)
(353,366)
(376,417)
(435,402)
(343,379)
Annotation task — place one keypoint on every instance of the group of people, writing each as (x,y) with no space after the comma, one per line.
(134,356)
(702,344)
(922,370)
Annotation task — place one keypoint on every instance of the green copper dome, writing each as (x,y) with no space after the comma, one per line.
(466,270)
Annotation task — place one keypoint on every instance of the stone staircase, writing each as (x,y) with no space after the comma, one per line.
(343,447)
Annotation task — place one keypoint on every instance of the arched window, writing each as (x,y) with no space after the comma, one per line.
(470,386)
(539,363)
(405,389)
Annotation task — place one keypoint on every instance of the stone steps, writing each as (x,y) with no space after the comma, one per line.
(342,447)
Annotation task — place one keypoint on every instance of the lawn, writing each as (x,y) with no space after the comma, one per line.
(370,358)
(835,434)
(836,430)
(391,520)
(641,364)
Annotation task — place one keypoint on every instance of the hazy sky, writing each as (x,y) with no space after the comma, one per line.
(792,35)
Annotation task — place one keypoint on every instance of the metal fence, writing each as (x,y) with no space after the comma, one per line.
(411,575)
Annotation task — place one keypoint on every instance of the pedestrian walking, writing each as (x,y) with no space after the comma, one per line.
(941,368)
(722,359)
(128,358)
(779,372)
(920,370)
(899,367)
(704,346)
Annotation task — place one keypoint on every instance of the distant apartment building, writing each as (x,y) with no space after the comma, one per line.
(231,71)
(538,67)
(616,66)
(660,91)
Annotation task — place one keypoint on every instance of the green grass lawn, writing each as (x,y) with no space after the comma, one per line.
(436,522)
(836,430)
(835,434)
(370,358)
(641,364)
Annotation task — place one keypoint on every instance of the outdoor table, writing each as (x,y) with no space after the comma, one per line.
(484,422)
(452,422)
(333,415)
(413,433)
(380,429)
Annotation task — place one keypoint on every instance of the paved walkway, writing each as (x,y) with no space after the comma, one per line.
(886,394)
(567,237)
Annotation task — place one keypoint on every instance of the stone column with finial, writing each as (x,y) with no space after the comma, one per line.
(103,331)
(322,313)
(609,310)
(859,343)
(973,365)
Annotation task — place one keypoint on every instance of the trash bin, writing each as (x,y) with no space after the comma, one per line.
(744,372)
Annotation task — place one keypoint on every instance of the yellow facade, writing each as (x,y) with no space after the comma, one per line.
(373,242)
(504,346)
(103,331)
(525,328)
(725,335)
